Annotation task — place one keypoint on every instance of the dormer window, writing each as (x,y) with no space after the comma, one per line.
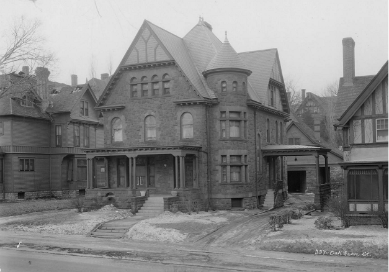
(166,84)
(234,86)
(224,86)
(145,87)
(26,102)
(84,110)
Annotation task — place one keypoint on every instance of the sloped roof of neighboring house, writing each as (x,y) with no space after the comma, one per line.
(347,94)
(325,102)
(363,95)
(69,96)
(310,134)
(98,86)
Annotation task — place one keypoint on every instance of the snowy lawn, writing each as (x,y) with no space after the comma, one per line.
(68,222)
(177,227)
(302,236)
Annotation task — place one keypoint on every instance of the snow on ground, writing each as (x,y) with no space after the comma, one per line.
(70,223)
(145,230)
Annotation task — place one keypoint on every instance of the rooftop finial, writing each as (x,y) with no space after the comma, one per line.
(226,39)
(201,19)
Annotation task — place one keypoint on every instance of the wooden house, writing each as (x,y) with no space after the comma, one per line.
(362,112)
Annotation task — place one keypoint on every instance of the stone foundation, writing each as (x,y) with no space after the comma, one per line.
(40,194)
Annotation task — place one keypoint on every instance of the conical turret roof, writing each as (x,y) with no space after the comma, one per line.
(226,58)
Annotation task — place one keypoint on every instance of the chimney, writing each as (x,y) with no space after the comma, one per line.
(302,94)
(74,80)
(348,61)
(104,76)
(25,70)
(42,78)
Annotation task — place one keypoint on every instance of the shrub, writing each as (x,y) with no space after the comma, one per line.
(174,208)
(384,219)
(296,214)
(309,207)
(196,206)
(323,222)
(78,203)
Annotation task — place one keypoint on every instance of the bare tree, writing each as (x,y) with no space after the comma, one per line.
(92,67)
(331,89)
(22,44)
(294,97)
(110,65)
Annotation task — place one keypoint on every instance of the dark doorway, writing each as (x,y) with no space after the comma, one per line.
(296,181)
(236,202)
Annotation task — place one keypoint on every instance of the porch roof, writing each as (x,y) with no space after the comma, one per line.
(139,150)
(293,150)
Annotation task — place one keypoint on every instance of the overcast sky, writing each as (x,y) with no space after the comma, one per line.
(307,33)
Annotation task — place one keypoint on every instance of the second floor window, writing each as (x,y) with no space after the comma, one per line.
(224,86)
(26,165)
(86,136)
(133,87)
(155,85)
(76,135)
(1,128)
(233,126)
(382,130)
(117,130)
(187,126)
(234,86)
(150,128)
(267,131)
(84,110)
(58,135)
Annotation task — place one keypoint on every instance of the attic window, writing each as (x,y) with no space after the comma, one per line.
(84,111)
(26,102)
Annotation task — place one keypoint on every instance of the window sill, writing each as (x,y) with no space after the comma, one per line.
(187,140)
(233,139)
(232,183)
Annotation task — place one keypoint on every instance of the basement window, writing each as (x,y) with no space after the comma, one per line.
(236,202)
(21,195)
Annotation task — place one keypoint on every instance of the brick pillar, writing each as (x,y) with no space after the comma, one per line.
(182,171)
(176,183)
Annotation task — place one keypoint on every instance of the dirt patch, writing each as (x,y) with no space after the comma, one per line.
(302,237)
(38,205)
(68,222)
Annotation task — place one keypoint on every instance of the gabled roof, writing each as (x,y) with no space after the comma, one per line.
(310,134)
(354,105)
(98,86)
(68,98)
(347,94)
(324,102)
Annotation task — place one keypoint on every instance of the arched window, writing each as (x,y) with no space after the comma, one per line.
(166,84)
(244,86)
(187,126)
(133,87)
(234,86)
(155,84)
(224,86)
(117,130)
(145,87)
(150,128)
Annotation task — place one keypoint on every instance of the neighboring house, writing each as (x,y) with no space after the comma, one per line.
(362,113)
(302,172)
(98,85)
(191,115)
(42,131)
(318,113)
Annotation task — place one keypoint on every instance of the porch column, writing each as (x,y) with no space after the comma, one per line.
(74,169)
(326,170)
(129,183)
(182,171)
(197,171)
(89,174)
(317,169)
(134,172)
(176,184)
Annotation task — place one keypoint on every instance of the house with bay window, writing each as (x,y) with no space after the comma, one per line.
(191,115)
(43,130)
(362,111)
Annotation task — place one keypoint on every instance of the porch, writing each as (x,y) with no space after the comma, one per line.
(150,170)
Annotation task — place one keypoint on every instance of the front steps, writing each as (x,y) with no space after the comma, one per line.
(114,229)
(152,207)
(269,199)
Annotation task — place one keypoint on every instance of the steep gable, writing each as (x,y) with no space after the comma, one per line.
(146,48)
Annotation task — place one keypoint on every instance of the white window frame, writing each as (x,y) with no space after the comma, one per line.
(380,141)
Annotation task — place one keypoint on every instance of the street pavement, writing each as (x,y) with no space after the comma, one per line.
(74,252)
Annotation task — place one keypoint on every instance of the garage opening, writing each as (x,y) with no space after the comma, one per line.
(236,202)
(297,181)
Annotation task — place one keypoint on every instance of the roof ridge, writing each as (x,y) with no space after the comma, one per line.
(260,50)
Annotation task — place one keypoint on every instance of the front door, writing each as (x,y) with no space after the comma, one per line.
(100,173)
(121,172)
